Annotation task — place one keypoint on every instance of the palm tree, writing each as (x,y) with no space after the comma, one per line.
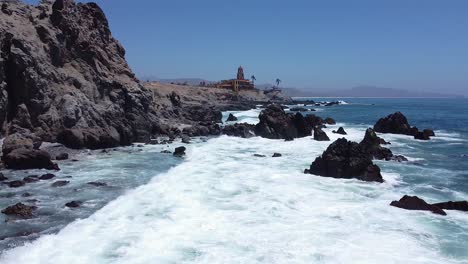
(278,81)
(253,78)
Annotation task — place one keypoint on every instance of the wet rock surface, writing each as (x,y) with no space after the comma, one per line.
(397,123)
(23,159)
(340,131)
(345,159)
(459,205)
(243,130)
(320,135)
(19,210)
(275,123)
(179,151)
(416,203)
(231,118)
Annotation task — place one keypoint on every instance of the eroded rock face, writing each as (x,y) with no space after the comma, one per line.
(416,203)
(275,123)
(345,159)
(61,70)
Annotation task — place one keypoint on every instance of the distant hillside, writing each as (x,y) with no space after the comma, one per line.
(365,91)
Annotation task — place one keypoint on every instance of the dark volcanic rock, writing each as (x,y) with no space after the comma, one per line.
(345,159)
(60,183)
(31,178)
(314,120)
(329,121)
(61,69)
(277,124)
(23,159)
(2,177)
(298,109)
(398,124)
(429,132)
(276,155)
(320,135)
(259,155)
(371,145)
(243,130)
(74,204)
(19,210)
(166,151)
(62,156)
(16,184)
(231,118)
(179,151)
(460,205)
(47,176)
(426,134)
(97,184)
(416,203)
(395,123)
(340,131)
(398,158)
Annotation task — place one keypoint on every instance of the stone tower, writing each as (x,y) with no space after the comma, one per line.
(240,73)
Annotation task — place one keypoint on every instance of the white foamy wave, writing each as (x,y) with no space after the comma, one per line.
(249,116)
(222,205)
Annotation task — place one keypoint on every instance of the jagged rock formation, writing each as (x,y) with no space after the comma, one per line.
(63,77)
(340,131)
(397,123)
(320,135)
(416,203)
(275,123)
(371,145)
(345,159)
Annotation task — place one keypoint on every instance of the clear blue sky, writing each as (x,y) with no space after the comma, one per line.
(408,44)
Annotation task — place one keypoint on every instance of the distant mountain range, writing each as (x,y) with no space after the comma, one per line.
(366,91)
(358,91)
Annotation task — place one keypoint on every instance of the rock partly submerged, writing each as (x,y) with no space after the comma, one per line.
(20,210)
(397,123)
(345,159)
(275,123)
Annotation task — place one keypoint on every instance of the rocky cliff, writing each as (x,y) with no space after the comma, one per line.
(63,77)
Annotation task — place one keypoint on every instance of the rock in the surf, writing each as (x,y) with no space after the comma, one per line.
(459,205)
(416,203)
(74,204)
(179,151)
(345,159)
(371,145)
(231,118)
(19,210)
(242,130)
(397,123)
(320,135)
(329,121)
(275,123)
(340,131)
(23,159)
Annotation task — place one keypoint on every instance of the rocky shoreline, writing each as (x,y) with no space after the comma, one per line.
(64,80)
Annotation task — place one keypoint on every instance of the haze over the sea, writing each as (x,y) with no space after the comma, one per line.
(418,45)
